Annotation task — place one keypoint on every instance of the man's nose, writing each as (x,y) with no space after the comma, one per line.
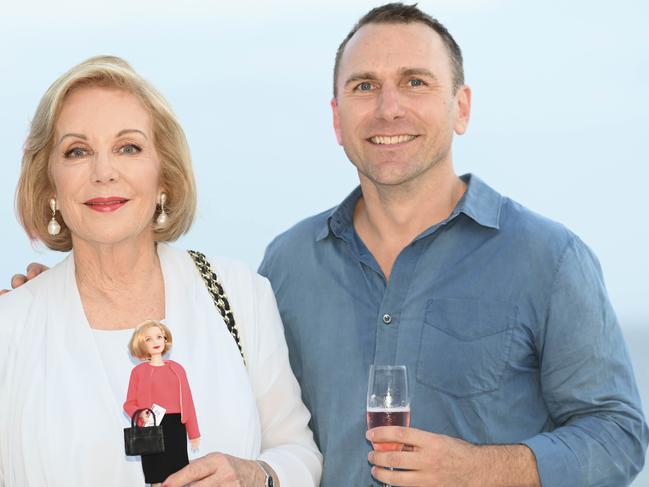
(390,103)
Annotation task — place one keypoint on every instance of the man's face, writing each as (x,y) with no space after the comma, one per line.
(395,112)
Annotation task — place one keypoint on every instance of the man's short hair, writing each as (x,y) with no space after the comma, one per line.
(398,13)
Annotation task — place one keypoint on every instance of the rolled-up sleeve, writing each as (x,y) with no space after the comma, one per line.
(588,384)
(287,442)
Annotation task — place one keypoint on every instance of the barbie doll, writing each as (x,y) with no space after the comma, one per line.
(163,383)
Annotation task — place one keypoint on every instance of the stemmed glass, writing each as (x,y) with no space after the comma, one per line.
(388,402)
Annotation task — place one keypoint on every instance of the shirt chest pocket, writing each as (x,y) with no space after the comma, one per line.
(465,345)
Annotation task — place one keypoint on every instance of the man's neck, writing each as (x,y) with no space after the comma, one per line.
(388,218)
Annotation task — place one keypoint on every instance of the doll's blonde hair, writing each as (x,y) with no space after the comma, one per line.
(136,345)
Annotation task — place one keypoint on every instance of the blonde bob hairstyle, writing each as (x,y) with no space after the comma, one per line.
(35,187)
(136,345)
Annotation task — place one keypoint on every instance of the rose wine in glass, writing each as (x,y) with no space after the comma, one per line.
(388,403)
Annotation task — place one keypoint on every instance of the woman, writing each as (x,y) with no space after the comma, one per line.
(106,173)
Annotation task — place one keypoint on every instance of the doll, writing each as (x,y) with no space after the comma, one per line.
(164,383)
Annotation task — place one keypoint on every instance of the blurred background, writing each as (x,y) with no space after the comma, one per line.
(560,117)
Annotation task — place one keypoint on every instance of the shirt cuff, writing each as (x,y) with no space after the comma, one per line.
(556,463)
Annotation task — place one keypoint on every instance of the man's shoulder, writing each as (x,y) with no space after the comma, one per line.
(532,229)
(303,234)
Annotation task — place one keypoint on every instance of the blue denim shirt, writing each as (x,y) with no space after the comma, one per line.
(502,318)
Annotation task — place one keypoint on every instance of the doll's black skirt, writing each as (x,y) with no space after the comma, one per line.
(159,466)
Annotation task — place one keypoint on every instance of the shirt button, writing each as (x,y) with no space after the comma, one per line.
(387,319)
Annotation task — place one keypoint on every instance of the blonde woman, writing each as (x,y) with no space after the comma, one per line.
(106,176)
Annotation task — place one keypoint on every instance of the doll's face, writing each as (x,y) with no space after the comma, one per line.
(154,341)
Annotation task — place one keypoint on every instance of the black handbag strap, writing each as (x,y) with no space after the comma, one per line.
(218,295)
(133,418)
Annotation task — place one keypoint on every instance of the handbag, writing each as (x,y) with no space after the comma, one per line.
(143,440)
(218,295)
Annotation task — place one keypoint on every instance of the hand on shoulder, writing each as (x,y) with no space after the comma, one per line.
(34,269)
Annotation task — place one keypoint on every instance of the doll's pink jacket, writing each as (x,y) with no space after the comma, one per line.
(139,395)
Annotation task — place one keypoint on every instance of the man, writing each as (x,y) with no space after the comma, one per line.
(518,370)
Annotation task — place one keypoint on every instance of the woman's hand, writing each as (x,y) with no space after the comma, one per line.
(220,470)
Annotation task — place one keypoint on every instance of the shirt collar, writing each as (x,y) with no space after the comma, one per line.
(480,202)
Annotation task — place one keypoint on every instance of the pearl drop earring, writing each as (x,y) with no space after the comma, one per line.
(53,227)
(162,217)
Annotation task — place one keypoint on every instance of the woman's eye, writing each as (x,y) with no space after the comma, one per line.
(130,149)
(75,153)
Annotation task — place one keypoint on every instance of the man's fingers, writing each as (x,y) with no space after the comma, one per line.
(396,459)
(396,434)
(396,477)
(18,280)
(196,470)
(34,269)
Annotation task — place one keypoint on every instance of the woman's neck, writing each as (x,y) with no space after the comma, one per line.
(120,285)
(105,268)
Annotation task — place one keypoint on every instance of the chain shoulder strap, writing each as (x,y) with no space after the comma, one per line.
(217,293)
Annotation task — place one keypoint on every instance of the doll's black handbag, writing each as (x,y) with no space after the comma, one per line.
(143,440)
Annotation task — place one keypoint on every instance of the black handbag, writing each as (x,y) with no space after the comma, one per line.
(143,440)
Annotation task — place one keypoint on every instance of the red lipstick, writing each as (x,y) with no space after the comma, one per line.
(107,204)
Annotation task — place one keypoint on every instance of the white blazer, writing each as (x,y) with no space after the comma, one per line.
(61,421)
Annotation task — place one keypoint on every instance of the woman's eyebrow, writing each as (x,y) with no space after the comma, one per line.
(126,131)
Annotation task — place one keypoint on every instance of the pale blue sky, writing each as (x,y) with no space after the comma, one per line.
(560,114)
(560,111)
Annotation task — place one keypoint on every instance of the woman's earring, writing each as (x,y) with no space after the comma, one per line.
(53,227)
(162,217)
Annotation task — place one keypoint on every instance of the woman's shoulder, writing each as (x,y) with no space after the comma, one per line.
(223,267)
(33,293)
(235,275)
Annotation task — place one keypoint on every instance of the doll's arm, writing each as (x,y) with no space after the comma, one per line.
(195,443)
(189,411)
(130,405)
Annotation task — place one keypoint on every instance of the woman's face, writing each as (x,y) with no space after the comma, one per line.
(105,168)
(154,341)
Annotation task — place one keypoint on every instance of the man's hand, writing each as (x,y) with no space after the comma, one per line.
(18,280)
(218,470)
(430,459)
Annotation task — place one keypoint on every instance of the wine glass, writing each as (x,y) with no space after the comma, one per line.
(388,403)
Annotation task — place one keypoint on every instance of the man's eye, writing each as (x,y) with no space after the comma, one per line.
(130,149)
(75,153)
(416,82)
(365,86)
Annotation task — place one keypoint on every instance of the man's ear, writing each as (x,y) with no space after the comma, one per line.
(336,117)
(463,101)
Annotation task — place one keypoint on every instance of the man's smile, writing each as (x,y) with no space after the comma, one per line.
(391,139)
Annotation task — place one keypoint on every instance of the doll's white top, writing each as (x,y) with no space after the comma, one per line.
(61,416)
